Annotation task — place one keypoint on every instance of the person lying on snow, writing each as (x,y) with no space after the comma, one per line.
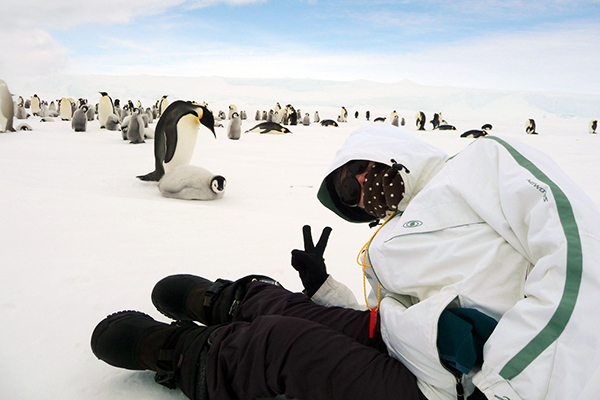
(485,284)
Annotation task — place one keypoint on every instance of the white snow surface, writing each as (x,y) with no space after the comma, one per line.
(81,237)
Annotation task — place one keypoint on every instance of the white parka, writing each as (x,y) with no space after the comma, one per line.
(498,228)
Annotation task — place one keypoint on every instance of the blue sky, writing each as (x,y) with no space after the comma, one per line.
(509,45)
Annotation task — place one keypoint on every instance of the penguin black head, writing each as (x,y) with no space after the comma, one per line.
(217,184)
(103,94)
(207,119)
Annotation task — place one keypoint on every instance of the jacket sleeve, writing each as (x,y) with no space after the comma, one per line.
(536,208)
(334,293)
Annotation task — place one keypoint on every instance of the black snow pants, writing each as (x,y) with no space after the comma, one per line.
(282,343)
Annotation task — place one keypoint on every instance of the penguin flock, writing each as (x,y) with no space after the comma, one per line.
(175,125)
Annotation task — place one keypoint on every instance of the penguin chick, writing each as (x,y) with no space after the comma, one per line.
(189,182)
(234,130)
(79,120)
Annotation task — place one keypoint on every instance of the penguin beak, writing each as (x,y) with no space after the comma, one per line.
(207,119)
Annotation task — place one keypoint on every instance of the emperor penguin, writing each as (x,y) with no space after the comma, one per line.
(243,115)
(420,117)
(35,105)
(402,121)
(91,114)
(530,127)
(52,111)
(593,125)
(79,121)
(367,115)
(232,109)
(293,116)
(112,123)
(189,182)
(234,130)
(317,118)
(65,109)
(344,114)
(395,118)
(105,108)
(306,120)
(7,109)
(435,121)
(162,106)
(21,112)
(135,130)
(175,136)
(257,115)
(270,128)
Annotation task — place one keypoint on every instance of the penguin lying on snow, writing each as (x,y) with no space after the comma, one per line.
(447,127)
(189,182)
(487,127)
(329,122)
(474,133)
(175,136)
(270,128)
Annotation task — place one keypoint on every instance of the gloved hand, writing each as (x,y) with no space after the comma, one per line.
(309,262)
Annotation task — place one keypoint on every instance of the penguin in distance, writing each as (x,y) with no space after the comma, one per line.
(270,128)
(162,106)
(593,126)
(135,129)
(105,108)
(189,182)
(79,121)
(234,129)
(530,127)
(420,117)
(7,109)
(65,109)
(329,122)
(175,136)
(36,105)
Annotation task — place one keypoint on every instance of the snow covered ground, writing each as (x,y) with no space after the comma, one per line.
(81,237)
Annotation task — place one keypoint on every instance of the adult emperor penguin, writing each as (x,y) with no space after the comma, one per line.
(530,127)
(234,130)
(65,109)
(175,136)
(7,109)
(593,126)
(35,105)
(105,108)
(420,117)
(189,182)
(162,105)
(232,109)
(79,121)
(435,121)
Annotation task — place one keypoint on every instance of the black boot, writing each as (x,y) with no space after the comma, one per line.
(190,297)
(134,340)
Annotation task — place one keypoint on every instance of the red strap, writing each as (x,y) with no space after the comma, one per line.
(372,323)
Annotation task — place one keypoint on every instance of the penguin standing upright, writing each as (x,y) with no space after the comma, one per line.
(79,121)
(257,115)
(420,117)
(234,129)
(306,120)
(21,112)
(91,114)
(135,130)
(292,115)
(232,109)
(175,136)
(65,109)
(530,127)
(162,106)
(593,126)
(435,121)
(7,109)
(35,105)
(367,115)
(105,108)
(317,118)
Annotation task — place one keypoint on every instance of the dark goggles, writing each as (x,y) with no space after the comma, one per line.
(349,189)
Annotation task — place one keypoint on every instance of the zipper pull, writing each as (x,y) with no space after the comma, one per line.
(372,323)
(460,391)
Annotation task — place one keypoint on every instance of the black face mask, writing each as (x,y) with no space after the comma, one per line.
(348,188)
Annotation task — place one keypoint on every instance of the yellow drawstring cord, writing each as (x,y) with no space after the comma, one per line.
(364,265)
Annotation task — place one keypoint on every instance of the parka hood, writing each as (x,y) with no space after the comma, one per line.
(385,144)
